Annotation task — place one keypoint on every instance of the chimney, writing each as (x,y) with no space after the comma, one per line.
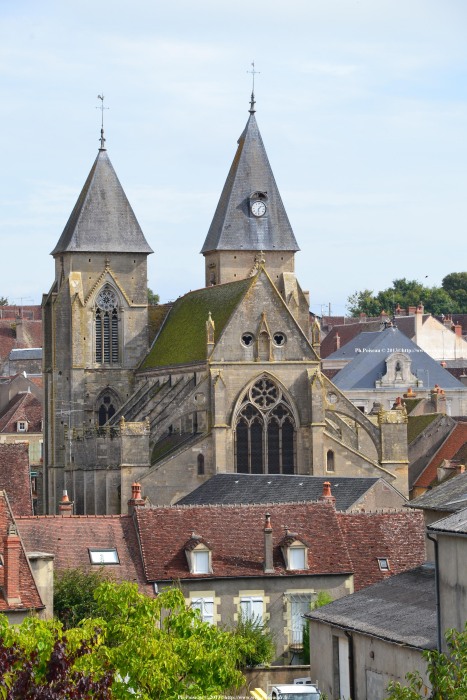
(268,560)
(65,507)
(411,310)
(418,321)
(136,500)
(398,310)
(337,341)
(458,330)
(11,563)
(327,496)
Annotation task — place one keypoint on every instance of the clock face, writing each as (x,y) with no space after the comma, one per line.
(258,208)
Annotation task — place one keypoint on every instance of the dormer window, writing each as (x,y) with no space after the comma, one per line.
(22,426)
(295,552)
(198,554)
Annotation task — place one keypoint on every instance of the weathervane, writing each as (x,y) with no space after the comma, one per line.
(253,73)
(102,139)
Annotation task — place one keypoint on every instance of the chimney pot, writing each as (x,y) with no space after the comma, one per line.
(65,507)
(327,496)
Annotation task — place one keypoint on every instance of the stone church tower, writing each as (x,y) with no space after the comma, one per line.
(232,381)
(95,335)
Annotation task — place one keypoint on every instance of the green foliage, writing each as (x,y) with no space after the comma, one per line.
(161,649)
(3,301)
(256,642)
(451,297)
(39,661)
(153,298)
(74,595)
(447,673)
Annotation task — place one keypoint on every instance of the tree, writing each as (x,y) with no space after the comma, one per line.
(3,301)
(74,595)
(451,297)
(153,298)
(143,648)
(447,673)
(38,661)
(255,641)
(162,650)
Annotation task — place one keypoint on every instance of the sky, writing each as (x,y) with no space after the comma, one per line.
(362,106)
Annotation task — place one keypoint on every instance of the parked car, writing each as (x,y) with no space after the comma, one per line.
(295,691)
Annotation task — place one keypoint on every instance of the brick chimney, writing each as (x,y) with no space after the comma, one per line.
(268,559)
(136,500)
(337,341)
(458,330)
(11,563)
(327,496)
(65,507)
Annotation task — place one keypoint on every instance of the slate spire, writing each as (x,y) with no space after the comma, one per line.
(250,179)
(102,219)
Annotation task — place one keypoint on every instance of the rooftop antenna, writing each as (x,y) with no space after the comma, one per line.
(252,100)
(102,139)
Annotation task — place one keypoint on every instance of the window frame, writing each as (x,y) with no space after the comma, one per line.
(103,550)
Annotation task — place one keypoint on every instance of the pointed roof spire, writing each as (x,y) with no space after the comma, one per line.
(235,226)
(102,219)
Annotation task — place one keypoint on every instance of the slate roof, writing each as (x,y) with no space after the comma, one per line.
(236,489)
(15,479)
(450,495)
(30,598)
(367,353)
(31,332)
(401,609)
(182,337)
(236,538)
(102,219)
(233,226)
(25,354)
(454,524)
(454,447)
(69,539)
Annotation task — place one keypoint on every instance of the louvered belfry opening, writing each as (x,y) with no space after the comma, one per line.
(106,329)
(265,431)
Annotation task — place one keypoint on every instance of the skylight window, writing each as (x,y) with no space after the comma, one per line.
(383,564)
(103,556)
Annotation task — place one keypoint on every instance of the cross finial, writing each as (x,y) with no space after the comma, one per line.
(252,100)
(102,139)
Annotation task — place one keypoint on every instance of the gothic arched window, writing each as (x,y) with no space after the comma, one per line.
(265,431)
(105,408)
(106,320)
(330,467)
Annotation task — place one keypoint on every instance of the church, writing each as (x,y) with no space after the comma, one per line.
(227,379)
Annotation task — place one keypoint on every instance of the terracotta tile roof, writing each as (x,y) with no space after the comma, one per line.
(454,442)
(392,536)
(30,598)
(14,476)
(235,535)
(70,538)
(22,407)
(338,543)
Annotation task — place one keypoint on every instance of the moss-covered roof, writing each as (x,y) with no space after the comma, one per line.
(410,404)
(182,338)
(156,317)
(417,424)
